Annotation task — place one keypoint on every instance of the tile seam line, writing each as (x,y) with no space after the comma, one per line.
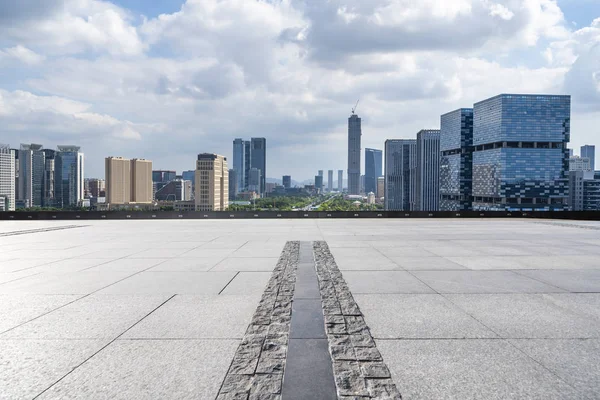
(103,347)
(77,299)
(227,256)
(231,280)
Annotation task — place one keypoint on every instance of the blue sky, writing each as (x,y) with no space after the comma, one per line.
(165,80)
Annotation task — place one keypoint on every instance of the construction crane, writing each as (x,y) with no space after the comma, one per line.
(354,108)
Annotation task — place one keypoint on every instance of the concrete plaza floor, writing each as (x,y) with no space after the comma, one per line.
(469,309)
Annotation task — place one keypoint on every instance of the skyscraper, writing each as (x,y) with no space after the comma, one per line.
(31,175)
(400,174)
(247,164)
(373,166)
(287,181)
(340,180)
(520,158)
(456,161)
(258,159)
(380,187)
(48,199)
(233,181)
(589,151)
(319,183)
(428,170)
(354,136)
(254,180)
(330,181)
(118,180)
(7,178)
(141,181)
(68,177)
(239,165)
(212,183)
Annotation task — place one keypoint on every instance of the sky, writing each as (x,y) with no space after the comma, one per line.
(166,80)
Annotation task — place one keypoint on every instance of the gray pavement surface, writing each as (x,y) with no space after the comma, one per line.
(470,309)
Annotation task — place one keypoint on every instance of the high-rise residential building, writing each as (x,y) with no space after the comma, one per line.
(118,180)
(584,190)
(68,177)
(400,174)
(247,163)
(141,181)
(577,163)
(258,159)
(330,181)
(239,166)
(520,158)
(354,137)
(212,183)
(287,181)
(97,187)
(373,169)
(254,180)
(7,178)
(48,199)
(456,160)
(233,180)
(319,183)
(340,180)
(428,170)
(31,175)
(380,187)
(589,151)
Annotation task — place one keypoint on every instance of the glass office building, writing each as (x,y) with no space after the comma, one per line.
(520,155)
(400,174)
(373,169)
(68,178)
(456,160)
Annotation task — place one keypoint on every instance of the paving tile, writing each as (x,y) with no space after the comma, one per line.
(526,316)
(357,263)
(16,309)
(162,282)
(426,263)
(159,253)
(575,361)
(198,317)
(406,252)
(469,369)
(246,264)
(307,321)
(482,282)
(187,264)
(131,265)
(490,262)
(23,264)
(28,367)
(248,283)
(571,280)
(379,282)
(418,316)
(163,369)
(204,252)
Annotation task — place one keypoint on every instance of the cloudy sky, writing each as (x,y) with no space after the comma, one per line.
(165,80)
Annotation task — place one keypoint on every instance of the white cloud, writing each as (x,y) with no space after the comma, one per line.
(21,54)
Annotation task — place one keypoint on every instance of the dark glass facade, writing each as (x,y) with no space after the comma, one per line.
(456,160)
(400,174)
(520,155)
(354,139)
(373,169)
(68,178)
(258,160)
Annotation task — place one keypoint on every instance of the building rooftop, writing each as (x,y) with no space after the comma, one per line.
(173,309)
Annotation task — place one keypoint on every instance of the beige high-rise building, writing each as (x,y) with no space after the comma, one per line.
(141,181)
(128,181)
(212,183)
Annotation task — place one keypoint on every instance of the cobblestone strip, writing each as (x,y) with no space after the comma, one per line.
(256,371)
(359,369)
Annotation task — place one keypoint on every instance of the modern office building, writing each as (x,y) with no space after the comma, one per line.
(68,177)
(97,187)
(31,175)
(520,158)
(247,164)
(320,172)
(319,183)
(141,181)
(400,174)
(577,163)
(428,170)
(456,160)
(48,199)
(233,181)
(571,154)
(176,190)
(239,166)
(7,178)
(354,138)
(589,151)
(380,187)
(340,180)
(373,169)
(287,181)
(584,190)
(258,159)
(161,177)
(330,181)
(118,180)
(212,183)
(190,176)
(254,180)
(362,184)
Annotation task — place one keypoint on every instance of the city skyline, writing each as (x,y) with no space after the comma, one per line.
(121,92)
